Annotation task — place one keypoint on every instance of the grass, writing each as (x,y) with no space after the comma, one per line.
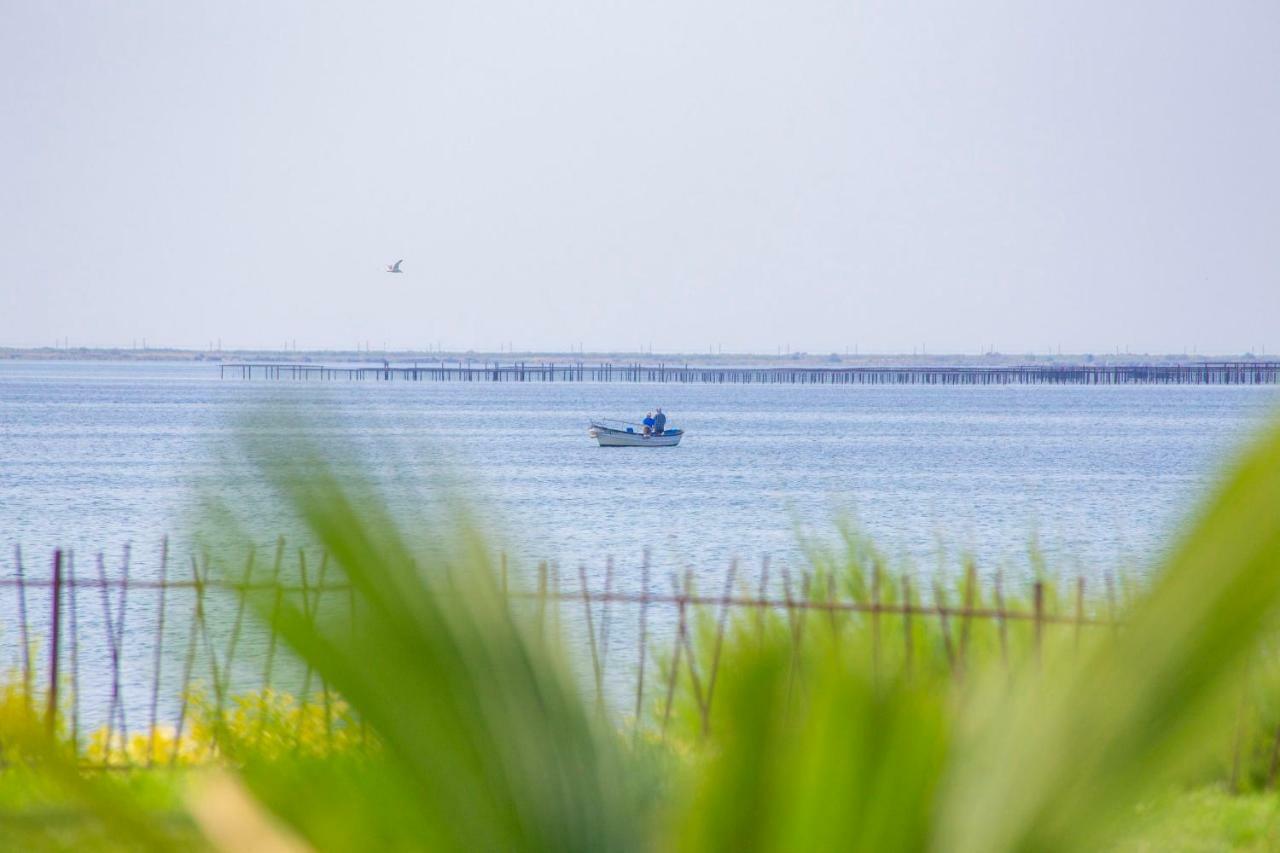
(1204,820)
(814,732)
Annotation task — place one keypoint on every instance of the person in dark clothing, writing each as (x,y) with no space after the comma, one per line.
(659,423)
(648,423)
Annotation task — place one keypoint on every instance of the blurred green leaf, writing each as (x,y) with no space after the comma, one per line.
(485,741)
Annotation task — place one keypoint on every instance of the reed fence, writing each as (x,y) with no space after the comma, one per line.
(117,653)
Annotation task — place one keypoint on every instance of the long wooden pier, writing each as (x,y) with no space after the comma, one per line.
(1198,373)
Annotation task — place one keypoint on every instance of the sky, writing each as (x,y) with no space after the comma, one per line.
(815,175)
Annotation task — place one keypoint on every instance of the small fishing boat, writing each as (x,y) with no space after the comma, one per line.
(623,434)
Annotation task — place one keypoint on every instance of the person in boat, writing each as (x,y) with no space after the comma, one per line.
(659,422)
(648,423)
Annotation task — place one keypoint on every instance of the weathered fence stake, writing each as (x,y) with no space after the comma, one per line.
(542,599)
(875,619)
(644,612)
(831,599)
(155,682)
(764,589)
(604,616)
(945,626)
(75,654)
(1079,608)
(591,637)
(22,622)
(1039,618)
(970,593)
(1111,602)
(720,626)
(906,625)
(675,668)
(56,636)
(1002,625)
(187,668)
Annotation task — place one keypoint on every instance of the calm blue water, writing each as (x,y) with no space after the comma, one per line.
(96,455)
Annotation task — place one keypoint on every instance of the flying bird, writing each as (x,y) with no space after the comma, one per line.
(396,266)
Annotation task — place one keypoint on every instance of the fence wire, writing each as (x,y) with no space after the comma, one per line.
(124,663)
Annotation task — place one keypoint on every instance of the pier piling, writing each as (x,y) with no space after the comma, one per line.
(1197,373)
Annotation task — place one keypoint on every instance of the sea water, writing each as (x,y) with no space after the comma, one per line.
(97,456)
(93,455)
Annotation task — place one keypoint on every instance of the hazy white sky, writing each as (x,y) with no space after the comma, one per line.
(675,174)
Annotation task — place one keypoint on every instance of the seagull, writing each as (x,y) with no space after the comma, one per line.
(396,266)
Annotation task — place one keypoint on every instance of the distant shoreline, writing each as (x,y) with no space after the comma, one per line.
(799,359)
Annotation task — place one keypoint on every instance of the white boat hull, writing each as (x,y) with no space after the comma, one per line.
(620,438)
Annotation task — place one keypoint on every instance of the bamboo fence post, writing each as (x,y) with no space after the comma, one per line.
(1002,625)
(906,625)
(675,666)
(831,608)
(720,627)
(158,658)
(591,638)
(113,653)
(202,585)
(1079,607)
(1038,592)
(1111,603)
(604,617)
(542,599)
(945,625)
(704,707)
(642,640)
(875,619)
(351,604)
(557,598)
(189,665)
(75,654)
(308,618)
(25,628)
(761,603)
(226,672)
(277,602)
(970,595)
(792,618)
(122,612)
(55,619)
